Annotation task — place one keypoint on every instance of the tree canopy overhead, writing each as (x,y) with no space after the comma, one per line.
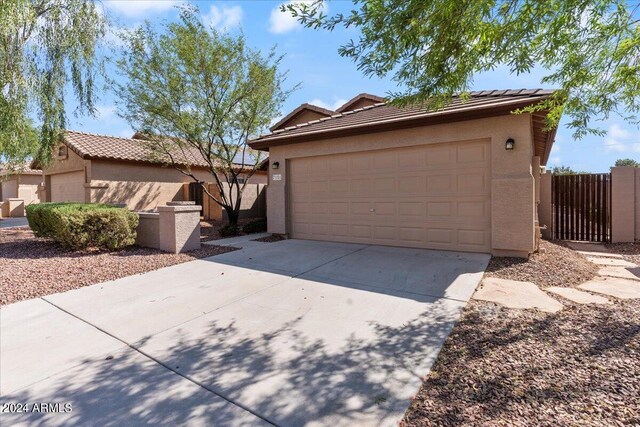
(195,91)
(45,45)
(433,48)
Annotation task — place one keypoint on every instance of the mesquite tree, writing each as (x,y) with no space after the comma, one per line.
(590,49)
(198,93)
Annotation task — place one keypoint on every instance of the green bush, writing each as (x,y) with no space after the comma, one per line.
(229,231)
(257,226)
(80,225)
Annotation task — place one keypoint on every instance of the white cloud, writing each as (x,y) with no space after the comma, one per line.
(105,112)
(138,8)
(555,160)
(617,139)
(329,106)
(282,22)
(223,18)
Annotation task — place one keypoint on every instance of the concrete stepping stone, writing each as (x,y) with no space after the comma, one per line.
(611,262)
(621,272)
(600,254)
(613,286)
(578,296)
(588,247)
(515,294)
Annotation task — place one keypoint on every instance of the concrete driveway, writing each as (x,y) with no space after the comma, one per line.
(13,222)
(288,333)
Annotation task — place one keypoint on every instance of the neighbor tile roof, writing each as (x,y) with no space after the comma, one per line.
(382,113)
(92,146)
(22,170)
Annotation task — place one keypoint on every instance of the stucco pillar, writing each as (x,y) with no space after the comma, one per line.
(179,228)
(13,208)
(623,204)
(545,213)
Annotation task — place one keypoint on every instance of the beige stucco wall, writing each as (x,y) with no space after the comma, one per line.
(142,186)
(545,214)
(21,186)
(625,204)
(512,183)
(73,163)
(9,188)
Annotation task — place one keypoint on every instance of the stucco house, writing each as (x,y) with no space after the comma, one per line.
(465,177)
(22,184)
(93,168)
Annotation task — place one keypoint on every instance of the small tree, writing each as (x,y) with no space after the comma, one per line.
(199,94)
(46,48)
(628,162)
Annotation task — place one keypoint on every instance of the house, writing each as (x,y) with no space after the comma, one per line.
(19,184)
(465,177)
(93,168)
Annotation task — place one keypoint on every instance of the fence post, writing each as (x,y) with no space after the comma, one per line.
(623,204)
(545,214)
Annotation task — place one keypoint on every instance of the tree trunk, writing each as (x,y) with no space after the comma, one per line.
(232,215)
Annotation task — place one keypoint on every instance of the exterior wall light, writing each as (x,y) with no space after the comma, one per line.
(275,165)
(509,144)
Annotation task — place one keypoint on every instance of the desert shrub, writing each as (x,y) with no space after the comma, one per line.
(229,231)
(257,226)
(80,225)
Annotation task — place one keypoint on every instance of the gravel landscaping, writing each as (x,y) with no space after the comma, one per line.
(506,367)
(554,265)
(31,267)
(270,239)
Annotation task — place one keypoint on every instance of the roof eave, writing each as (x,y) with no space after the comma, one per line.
(409,122)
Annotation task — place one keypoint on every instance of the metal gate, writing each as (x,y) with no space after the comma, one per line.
(582,207)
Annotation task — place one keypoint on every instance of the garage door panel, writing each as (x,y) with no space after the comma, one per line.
(67,187)
(433,196)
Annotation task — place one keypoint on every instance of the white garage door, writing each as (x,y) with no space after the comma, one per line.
(68,187)
(430,196)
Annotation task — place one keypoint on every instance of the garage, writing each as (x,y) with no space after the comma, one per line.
(67,187)
(429,196)
(465,177)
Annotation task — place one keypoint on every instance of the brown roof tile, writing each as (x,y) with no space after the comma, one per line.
(92,146)
(382,113)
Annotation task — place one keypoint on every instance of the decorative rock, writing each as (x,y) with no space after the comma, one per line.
(578,296)
(611,262)
(514,294)
(613,286)
(621,272)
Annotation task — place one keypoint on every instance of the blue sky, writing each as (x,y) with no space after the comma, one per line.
(328,79)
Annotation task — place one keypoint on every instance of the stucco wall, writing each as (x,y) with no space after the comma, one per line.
(141,186)
(28,189)
(9,188)
(625,204)
(512,183)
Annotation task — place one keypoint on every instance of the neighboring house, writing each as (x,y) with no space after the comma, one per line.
(463,178)
(22,184)
(106,169)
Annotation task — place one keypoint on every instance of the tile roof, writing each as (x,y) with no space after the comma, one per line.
(382,113)
(346,106)
(22,170)
(299,109)
(92,146)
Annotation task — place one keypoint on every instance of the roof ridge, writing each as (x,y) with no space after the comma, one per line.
(101,135)
(507,94)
